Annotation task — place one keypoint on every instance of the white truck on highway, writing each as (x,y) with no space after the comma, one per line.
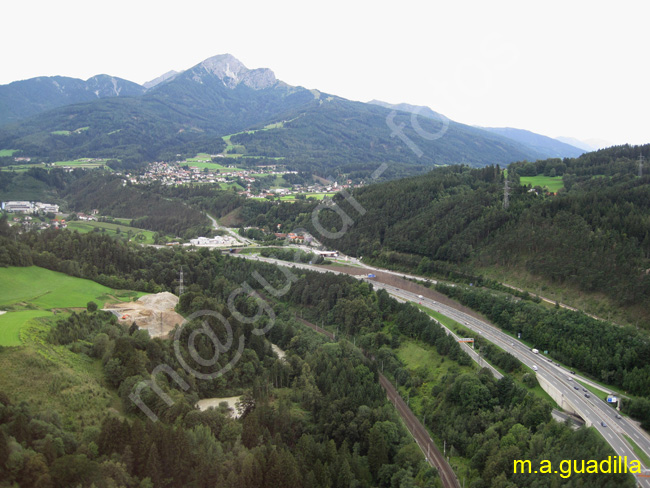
(535,351)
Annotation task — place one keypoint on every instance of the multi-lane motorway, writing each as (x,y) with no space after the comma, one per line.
(591,408)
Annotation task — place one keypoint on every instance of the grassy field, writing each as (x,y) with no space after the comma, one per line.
(84,163)
(12,323)
(203,160)
(228,186)
(237,150)
(111,229)
(79,163)
(30,293)
(47,289)
(19,168)
(552,183)
(463,331)
(5,153)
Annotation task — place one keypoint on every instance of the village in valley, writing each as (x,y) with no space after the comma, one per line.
(258,182)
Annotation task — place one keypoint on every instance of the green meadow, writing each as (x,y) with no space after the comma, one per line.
(6,153)
(32,292)
(84,227)
(84,163)
(551,183)
(203,160)
(12,323)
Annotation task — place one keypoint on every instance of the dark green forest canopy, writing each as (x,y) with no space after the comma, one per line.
(331,427)
(453,219)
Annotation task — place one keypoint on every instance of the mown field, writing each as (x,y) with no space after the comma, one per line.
(552,183)
(137,235)
(30,293)
(203,160)
(84,163)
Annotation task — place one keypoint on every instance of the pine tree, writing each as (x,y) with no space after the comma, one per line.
(153,468)
(377,450)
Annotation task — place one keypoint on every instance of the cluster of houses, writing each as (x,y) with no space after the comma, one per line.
(292,236)
(181,173)
(24,207)
(174,174)
(35,224)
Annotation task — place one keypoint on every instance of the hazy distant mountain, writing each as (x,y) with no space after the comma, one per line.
(157,81)
(587,145)
(407,107)
(546,146)
(21,99)
(188,112)
(536,145)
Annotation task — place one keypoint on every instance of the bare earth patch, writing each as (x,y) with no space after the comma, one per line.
(155,313)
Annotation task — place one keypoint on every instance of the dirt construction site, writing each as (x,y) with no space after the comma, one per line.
(154,313)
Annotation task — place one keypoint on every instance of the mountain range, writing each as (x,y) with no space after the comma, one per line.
(50,118)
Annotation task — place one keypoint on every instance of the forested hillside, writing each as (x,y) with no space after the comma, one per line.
(317,419)
(112,196)
(25,98)
(593,235)
(191,112)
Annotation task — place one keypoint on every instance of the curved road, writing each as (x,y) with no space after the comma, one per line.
(593,410)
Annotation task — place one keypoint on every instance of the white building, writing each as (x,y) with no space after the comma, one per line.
(18,207)
(47,207)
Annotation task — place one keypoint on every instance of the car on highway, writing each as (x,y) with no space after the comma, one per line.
(618,416)
(572,372)
(420,296)
(587,395)
(584,389)
(576,387)
(603,424)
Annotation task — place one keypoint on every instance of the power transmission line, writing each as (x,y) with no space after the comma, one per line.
(181,288)
(640,165)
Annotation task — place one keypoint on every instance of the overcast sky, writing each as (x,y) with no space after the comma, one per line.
(568,68)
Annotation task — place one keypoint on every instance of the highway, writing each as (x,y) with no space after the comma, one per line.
(593,410)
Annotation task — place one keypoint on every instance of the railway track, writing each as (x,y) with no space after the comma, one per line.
(418,431)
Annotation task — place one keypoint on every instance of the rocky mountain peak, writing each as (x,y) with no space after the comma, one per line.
(232,72)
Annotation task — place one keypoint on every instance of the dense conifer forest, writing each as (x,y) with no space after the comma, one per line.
(317,418)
